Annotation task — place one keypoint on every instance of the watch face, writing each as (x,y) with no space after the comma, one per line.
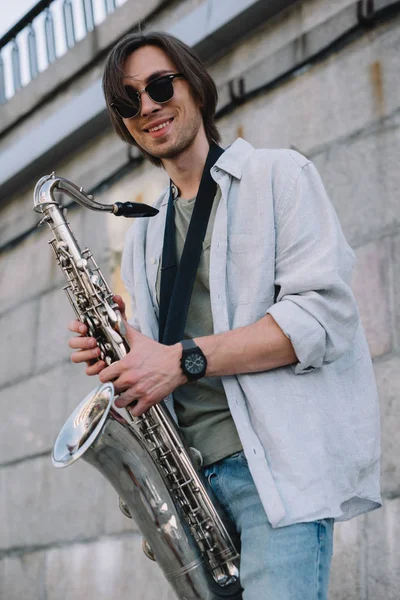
(194,363)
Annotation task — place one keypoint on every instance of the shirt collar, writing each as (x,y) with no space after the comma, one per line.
(234,158)
(231,161)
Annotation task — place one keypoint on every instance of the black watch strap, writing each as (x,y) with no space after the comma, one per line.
(189,345)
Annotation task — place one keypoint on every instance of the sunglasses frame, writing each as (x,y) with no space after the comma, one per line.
(139,93)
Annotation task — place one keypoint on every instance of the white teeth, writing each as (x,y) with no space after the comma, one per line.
(160,126)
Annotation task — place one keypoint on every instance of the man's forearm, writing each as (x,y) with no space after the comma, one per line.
(151,371)
(258,347)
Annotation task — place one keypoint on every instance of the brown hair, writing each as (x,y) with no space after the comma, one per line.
(187,63)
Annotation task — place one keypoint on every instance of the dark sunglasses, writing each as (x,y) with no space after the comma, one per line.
(160,90)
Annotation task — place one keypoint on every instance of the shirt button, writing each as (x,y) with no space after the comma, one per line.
(153,260)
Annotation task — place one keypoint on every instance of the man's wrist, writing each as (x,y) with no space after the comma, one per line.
(177,354)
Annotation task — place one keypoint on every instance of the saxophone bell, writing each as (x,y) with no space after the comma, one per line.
(83,426)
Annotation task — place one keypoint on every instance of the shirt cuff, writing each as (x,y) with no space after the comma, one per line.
(308,337)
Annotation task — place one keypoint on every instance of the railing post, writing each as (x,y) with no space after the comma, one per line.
(69,26)
(88,15)
(16,66)
(32,52)
(49,34)
(2,83)
(110,6)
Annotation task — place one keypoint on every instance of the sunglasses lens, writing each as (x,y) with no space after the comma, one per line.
(129,107)
(161,90)
(124,110)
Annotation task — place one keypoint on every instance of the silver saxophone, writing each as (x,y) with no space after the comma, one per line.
(144,458)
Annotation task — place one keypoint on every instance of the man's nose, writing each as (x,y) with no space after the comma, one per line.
(147,105)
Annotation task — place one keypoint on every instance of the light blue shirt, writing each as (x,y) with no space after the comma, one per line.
(310,431)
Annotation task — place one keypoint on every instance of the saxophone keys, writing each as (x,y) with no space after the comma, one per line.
(96,280)
(121,327)
(123,507)
(111,313)
(81,264)
(147,549)
(45,219)
(115,336)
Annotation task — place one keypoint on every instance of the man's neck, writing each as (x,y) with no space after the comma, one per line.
(186,169)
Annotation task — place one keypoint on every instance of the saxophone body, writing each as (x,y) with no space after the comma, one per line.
(144,458)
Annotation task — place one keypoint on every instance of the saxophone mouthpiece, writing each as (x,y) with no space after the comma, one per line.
(133,209)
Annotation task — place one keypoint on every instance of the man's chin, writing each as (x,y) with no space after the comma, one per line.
(170,151)
(156,150)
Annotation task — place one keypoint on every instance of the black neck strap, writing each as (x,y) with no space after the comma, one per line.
(177,281)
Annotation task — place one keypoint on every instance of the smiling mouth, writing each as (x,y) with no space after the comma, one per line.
(159,127)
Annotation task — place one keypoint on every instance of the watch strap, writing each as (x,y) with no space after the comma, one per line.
(188,344)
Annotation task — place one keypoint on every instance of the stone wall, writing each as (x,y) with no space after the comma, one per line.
(62,535)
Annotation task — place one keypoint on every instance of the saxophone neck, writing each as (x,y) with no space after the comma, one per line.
(47,186)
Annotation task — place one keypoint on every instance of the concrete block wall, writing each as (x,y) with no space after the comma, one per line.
(62,535)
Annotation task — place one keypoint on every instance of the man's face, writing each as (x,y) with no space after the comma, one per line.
(181,114)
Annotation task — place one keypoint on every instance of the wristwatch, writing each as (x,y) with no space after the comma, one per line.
(193,361)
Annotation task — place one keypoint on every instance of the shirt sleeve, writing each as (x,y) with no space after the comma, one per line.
(315,306)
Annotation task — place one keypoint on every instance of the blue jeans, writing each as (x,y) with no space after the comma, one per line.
(286,563)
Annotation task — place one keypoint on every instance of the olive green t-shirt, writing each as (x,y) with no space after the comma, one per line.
(201,407)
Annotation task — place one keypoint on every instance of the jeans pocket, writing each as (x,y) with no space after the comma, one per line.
(235,455)
(210,477)
(240,458)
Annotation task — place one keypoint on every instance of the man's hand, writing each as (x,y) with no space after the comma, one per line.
(147,374)
(85,348)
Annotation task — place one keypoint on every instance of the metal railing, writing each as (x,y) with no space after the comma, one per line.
(44,34)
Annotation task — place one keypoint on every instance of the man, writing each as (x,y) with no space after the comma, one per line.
(285,411)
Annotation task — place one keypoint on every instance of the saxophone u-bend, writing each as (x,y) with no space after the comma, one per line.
(144,458)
